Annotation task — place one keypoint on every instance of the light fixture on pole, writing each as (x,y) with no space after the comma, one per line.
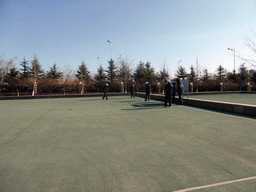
(234,58)
(178,63)
(110,48)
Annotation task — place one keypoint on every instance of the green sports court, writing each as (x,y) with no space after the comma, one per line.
(242,98)
(123,144)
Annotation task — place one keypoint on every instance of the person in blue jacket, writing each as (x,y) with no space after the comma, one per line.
(180,90)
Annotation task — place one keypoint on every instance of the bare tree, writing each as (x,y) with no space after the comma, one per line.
(123,71)
(68,73)
(251,45)
(5,67)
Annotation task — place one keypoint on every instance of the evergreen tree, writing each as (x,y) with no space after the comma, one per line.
(123,72)
(181,71)
(100,76)
(149,73)
(232,77)
(111,72)
(25,68)
(139,72)
(53,73)
(206,75)
(12,79)
(83,73)
(221,73)
(36,68)
(163,75)
(253,77)
(243,72)
(192,74)
(13,73)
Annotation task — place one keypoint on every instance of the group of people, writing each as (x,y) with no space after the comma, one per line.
(170,92)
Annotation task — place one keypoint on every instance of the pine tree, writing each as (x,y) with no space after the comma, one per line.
(25,68)
(36,68)
(124,71)
(149,73)
(53,73)
(111,72)
(206,75)
(253,77)
(181,71)
(83,74)
(12,79)
(139,73)
(243,72)
(100,76)
(163,75)
(221,73)
(192,74)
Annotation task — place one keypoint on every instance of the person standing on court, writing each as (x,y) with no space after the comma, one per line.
(173,92)
(180,90)
(132,90)
(147,92)
(105,90)
(168,94)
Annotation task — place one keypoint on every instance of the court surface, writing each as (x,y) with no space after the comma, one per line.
(123,144)
(242,98)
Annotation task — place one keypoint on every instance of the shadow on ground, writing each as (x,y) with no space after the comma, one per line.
(146,105)
(131,101)
(91,99)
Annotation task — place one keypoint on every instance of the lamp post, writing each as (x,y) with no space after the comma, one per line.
(34,85)
(234,58)
(178,63)
(110,48)
(97,63)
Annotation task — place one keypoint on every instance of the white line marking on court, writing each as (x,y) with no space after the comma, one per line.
(215,184)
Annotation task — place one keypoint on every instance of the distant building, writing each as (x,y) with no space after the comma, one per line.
(251,72)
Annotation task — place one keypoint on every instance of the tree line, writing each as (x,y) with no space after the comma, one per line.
(54,81)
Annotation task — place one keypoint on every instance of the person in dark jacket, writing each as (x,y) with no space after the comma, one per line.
(105,90)
(132,90)
(173,92)
(180,90)
(147,92)
(168,94)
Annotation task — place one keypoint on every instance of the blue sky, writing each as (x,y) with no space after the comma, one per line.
(68,32)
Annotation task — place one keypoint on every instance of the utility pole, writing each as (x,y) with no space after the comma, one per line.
(234,59)
(34,85)
(97,63)
(110,48)
(126,75)
(197,72)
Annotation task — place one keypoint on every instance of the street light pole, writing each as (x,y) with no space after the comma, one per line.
(97,63)
(234,58)
(110,48)
(178,63)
